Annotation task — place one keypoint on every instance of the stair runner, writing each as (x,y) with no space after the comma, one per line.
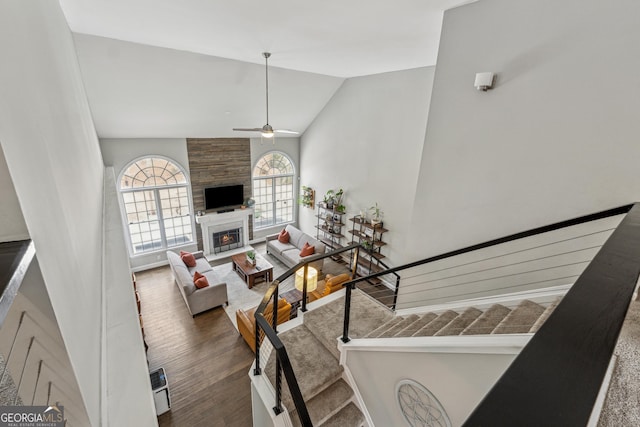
(314,355)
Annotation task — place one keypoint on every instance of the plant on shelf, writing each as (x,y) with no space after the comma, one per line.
(251,257)
(333,198)
(376,215)
(306,198)
(329,199)
(341,209)
(367,245)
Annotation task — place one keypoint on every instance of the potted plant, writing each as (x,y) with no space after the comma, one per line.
(329,199)
(341,209)
(251,257)
(337,198)
(376,215)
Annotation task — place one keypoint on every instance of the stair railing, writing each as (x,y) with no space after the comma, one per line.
(556,378)
(350,285)
(267,327)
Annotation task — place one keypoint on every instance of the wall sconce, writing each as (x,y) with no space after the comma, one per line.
(484,81)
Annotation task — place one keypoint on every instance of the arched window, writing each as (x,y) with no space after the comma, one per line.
(157,206)
(273,190)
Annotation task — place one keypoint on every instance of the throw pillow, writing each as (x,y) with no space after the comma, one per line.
(200,281)
(307,250)
(188,259)
(283,237)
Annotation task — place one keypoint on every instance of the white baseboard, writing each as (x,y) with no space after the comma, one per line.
(150,266)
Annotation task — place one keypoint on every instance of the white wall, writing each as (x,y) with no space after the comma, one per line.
(53,156)
(12,225)
(119,152)
(557,136)
(458,380)
(368,141)
(142,91)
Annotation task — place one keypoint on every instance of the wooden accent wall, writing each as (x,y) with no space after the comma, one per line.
(218,161)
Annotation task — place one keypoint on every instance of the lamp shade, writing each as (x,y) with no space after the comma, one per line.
(312,279)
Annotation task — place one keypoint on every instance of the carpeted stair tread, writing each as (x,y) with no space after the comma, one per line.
(521,319)
(349,416)
(392,331)
(307,355)
(436,324)
(457,325)
(384,327)
(487,322)
(545,315)
(326,322)
(326,402)
(417,325)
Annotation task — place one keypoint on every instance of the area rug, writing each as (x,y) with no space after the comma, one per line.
(241,297)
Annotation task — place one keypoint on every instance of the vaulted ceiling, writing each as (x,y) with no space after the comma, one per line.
(167,68)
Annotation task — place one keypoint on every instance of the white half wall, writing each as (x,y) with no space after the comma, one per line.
(458,380)
(556,138)
(52,153)
(368,141)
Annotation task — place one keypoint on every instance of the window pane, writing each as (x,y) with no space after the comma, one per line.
(146,224)
(273,184)
(144,231)
(175,211)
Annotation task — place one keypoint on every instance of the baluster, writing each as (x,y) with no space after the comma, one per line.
(278,408)
(257,371)
(304,289)
(13,343)
(15,401)
(35,387)
(274,321)
(347,311)
(347,298)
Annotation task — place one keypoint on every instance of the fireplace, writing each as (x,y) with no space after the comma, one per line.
(226,240)
(225,234)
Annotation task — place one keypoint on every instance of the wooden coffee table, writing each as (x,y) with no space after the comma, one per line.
(249,273)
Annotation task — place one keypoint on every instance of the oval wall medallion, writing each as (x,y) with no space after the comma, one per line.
(419,406)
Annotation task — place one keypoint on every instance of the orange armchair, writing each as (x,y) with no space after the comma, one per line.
(331,284)
(247,322)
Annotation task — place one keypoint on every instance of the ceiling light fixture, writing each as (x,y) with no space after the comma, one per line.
(267,130)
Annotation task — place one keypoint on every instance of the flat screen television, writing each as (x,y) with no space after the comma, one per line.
(224,196)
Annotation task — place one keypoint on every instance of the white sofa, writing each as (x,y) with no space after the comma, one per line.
(198,300)
(289,253)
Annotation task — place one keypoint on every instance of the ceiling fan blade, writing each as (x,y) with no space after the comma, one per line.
(248,129)
(292,132)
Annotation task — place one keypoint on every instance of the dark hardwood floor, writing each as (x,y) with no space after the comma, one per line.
(205,359)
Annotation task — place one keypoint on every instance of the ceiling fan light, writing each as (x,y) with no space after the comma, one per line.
(267,134)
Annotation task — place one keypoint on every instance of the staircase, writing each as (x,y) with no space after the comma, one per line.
(314,353)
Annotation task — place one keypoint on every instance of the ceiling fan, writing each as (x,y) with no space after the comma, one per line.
(267,131)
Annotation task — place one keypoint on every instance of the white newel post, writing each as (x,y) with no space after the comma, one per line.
(213,222)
